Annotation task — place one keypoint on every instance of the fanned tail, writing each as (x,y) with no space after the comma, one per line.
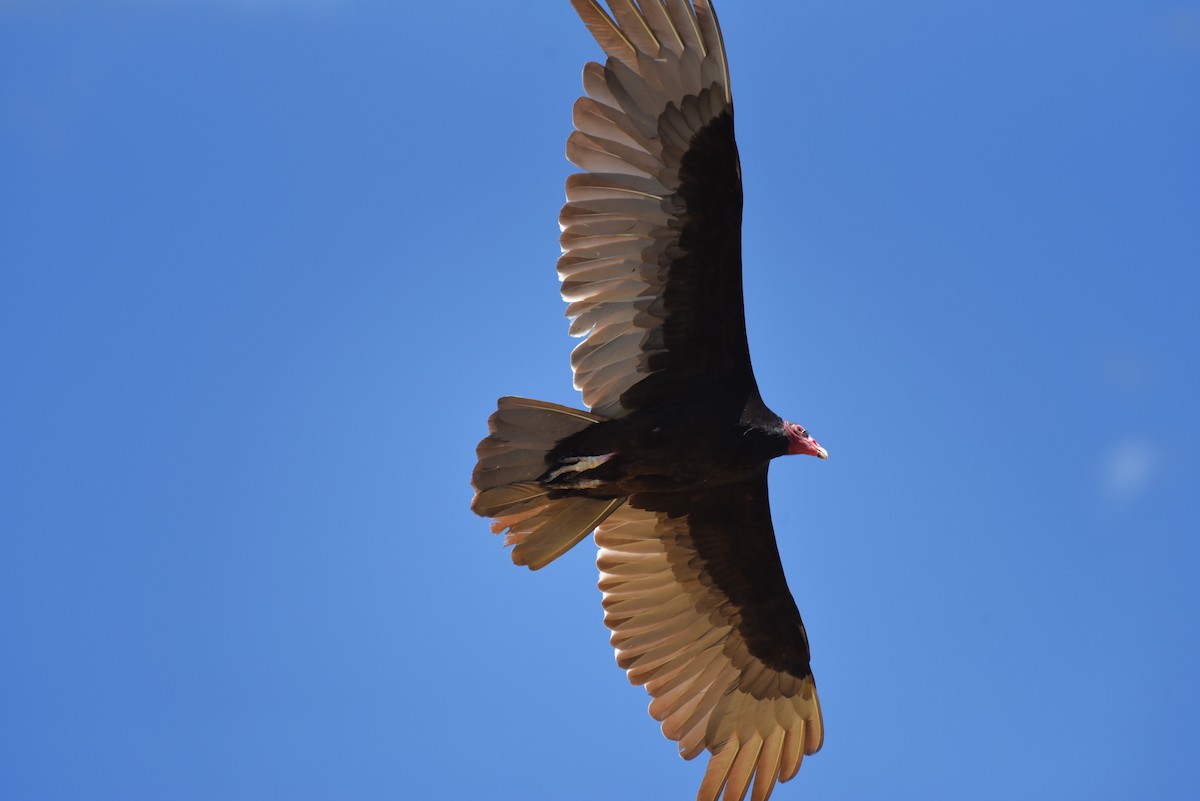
(542,522)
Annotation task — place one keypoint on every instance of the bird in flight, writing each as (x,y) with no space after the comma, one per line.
(669,463)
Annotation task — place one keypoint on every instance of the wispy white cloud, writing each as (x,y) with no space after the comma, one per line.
(1129,468)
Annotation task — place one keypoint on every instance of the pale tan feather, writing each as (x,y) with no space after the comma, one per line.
(767,770)
(605,156)
(793,751)
(660,22)
(742,770)
(634,25)
(716,773)
(607,34)
(595,86)
(684,19)
(695,673)
(643,107)
(674,632)
(558,527)
(707,19)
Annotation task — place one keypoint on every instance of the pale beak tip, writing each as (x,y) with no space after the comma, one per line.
(822,453)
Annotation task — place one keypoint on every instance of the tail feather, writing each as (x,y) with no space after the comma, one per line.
(520,433)
(508,500)
(542,523)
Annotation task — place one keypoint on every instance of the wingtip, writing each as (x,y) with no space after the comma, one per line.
(607,33)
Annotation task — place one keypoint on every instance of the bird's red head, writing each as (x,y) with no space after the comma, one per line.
(799,441)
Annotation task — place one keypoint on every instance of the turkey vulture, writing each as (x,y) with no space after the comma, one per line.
(669,466)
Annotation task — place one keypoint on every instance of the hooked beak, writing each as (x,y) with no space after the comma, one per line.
(806,445)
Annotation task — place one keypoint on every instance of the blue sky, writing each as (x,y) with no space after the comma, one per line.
(265,267)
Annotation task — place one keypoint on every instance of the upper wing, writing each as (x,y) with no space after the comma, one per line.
(700,613)
(651,264)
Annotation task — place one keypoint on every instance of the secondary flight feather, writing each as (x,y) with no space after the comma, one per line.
(669,466)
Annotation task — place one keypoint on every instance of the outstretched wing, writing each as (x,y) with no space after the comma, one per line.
(701,614)
(651,232)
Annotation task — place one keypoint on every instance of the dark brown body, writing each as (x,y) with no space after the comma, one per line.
(672,448)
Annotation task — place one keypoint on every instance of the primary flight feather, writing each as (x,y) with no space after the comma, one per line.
(669,466)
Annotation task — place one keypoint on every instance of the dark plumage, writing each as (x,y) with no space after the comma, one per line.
(670,465)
